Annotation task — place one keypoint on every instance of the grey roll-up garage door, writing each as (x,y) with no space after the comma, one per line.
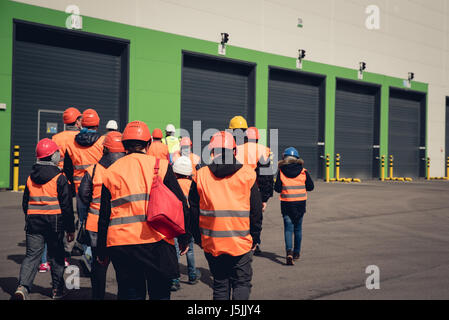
(55,69)
(357,129)
(296,109)
(214,90)
(407,132)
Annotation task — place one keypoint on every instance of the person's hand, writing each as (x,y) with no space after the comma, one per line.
(70,236)
(104,261)
(254,247)
(264,206)
(183,248)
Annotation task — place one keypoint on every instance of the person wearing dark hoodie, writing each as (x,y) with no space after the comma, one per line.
(293,182)
(47,204)
(226,210)
(86,150)
(90,193)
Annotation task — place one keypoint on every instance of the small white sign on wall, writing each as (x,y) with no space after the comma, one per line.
(74,21)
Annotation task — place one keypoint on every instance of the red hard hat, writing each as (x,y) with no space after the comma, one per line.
(136,130)
(71,115)
(253,133)
(90,118)
(222,139)
(113,141)
(157,133)
(186,142)
(45,148)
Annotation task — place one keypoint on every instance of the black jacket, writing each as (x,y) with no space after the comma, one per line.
(292,169)
(86,187)
(41,223)
(85,138)
(221,171)
(105,213)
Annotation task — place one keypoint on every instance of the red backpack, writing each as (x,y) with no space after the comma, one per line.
(165,212)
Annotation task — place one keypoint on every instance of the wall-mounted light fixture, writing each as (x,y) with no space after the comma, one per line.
(362,67)
(301,56)
(222,44)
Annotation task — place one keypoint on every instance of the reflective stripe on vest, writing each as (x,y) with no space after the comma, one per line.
(129,181)
(93,214)
(293,189)
(225,210)
(43,197)
(83,158)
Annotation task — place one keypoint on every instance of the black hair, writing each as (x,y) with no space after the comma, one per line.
(135,145)
(48,159)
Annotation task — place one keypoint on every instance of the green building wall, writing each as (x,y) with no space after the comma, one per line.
(155,75)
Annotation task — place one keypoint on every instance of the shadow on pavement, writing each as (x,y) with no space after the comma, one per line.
(206,276)
(17,258)
(9,285)
(272,256)
(22,244)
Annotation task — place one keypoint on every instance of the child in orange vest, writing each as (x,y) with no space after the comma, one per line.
(293,182)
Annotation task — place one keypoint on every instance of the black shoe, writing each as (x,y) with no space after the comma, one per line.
(289,259)
(21,294)
(296,256)
(257,252)
(58,294)
(196,278)
(175,285)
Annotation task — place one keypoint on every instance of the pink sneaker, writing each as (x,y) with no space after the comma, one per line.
(44,267)
(66,263)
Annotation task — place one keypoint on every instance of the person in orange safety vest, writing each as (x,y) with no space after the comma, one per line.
(144,259)
(186,150)
(90,193)
(226,218)
(157,148)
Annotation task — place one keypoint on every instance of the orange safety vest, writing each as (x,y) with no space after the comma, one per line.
(193,157)
(97,172)
(83,158)
(43,197)
(225,210)
(293,189)
(129,181)
(185,185)
(250,153)
(63,139)
(159,150)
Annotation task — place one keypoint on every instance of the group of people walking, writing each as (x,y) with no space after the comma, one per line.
(111,178)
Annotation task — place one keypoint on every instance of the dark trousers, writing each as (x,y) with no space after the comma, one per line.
(98,277)
(231,274)
(34,249)
(134,279)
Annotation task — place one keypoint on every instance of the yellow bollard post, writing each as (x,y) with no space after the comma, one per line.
(447,167)
(327,167)
(382,173)
(428,168)
(337,166)
(391,167)
(16,168)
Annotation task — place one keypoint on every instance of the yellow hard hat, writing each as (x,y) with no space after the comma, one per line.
(238,122)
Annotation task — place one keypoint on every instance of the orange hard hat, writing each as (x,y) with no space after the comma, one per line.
(113,141)
(136,130)
(157,133)
(186,142)
(70,115)
(222,139)
(90,118)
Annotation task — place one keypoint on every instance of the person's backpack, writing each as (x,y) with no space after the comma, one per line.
(165,212)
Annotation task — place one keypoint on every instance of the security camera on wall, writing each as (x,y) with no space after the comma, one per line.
(222,44)
(362,67)
(301,56)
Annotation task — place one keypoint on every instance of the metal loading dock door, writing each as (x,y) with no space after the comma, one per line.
(407,127)
(54,69)
(214,90)
(296,108)
(357,111)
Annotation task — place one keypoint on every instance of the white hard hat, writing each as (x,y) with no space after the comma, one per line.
(183,166)
(170,128)
(112,124)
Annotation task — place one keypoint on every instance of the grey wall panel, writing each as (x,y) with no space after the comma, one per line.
(404,135)
(53,78)
(447,128)
(355,129)
(294,108)
(214,91)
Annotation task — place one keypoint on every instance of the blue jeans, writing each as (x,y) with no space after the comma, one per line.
(291,230)
(44,255)
(190,258)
